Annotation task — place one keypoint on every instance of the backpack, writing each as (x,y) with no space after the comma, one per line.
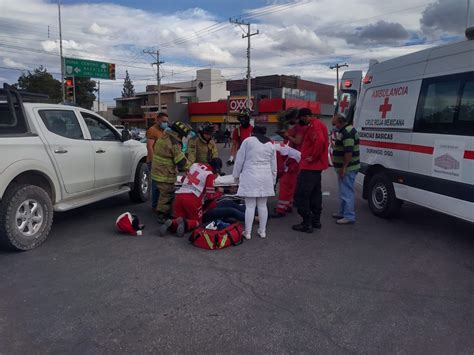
(217,239)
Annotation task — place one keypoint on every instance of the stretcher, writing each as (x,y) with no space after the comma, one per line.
(227,182)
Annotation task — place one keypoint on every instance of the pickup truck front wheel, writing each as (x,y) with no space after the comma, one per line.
(26,215)
(142,184)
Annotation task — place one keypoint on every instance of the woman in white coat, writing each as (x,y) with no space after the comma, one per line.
(256,168)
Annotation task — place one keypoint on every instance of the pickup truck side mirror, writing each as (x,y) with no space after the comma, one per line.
(125,135)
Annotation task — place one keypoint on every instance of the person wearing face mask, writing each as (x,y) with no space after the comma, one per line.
(168,159)
(293,136)
(240,134)
(152,134)
(203,148)
(314,159)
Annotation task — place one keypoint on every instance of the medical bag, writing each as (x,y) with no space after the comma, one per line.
(217,239)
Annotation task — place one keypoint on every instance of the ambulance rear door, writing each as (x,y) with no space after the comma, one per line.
(350,84)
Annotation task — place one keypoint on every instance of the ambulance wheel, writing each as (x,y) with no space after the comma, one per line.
(141,185)
(26,216)
(382,199)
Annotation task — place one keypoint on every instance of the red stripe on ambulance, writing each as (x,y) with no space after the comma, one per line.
(468,154)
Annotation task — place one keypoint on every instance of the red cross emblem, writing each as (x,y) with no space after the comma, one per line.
(344,104)
(193,178)
(385,107)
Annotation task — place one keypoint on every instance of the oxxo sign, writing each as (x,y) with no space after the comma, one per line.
(238,103)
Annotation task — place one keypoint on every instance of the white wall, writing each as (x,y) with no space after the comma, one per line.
(213,86)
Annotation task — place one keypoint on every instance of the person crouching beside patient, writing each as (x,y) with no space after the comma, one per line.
(198,189)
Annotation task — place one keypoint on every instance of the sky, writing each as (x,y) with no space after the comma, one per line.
(296,37)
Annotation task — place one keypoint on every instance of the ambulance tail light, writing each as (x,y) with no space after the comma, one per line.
(367,79)
(347,84)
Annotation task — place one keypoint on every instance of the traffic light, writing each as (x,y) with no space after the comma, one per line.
(69,89)
(112,71)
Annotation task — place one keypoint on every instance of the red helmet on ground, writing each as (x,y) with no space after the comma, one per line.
(129,223)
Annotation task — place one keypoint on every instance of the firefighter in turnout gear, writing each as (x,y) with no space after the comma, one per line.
(168,159)
(198,190)
(203,148)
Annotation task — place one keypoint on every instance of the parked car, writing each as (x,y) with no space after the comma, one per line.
(56,158)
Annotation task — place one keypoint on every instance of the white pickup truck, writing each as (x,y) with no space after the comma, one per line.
(55,158)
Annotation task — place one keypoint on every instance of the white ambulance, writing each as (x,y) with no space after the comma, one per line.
(415,117)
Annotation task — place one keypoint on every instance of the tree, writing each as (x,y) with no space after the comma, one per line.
(128,89)
(85,89)
(41,82)
(120,112)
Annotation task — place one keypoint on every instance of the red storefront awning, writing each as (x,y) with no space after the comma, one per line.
(207,108)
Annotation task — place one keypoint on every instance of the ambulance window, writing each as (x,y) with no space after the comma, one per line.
(438,107)
(466,111)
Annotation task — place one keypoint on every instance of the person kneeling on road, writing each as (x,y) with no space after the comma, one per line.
(198,188)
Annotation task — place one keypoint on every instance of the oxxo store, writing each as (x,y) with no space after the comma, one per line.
(264,111)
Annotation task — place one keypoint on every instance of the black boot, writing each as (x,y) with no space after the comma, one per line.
(316,223)
(161,218)
(302,228)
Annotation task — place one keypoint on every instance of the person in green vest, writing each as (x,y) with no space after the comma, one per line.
(169,159)
(346,161)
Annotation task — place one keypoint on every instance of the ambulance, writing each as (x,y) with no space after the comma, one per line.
(349,89)
(415,118)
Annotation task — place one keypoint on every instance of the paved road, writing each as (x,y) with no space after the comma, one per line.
(380,286)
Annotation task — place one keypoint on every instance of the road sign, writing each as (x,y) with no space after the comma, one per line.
(89,68)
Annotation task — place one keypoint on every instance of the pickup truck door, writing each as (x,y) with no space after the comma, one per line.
(72,155)
(113,159)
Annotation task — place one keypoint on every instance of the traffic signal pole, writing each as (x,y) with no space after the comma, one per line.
(61,52)
(74,89)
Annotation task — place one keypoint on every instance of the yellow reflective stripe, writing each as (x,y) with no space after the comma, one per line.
(179,157)
(164,161)
(208,240)
(223,241)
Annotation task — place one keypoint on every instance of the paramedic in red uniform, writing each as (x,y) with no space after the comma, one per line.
(314,159)
(197,190)
(290,169)
(239,134)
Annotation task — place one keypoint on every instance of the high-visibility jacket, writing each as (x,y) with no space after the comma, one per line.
(200,151)
(168,158)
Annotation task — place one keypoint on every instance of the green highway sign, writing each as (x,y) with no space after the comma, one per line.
(89,68)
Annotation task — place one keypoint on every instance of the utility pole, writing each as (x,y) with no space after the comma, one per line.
(61,52)
(248,35)
(158,77)
(337,66)
(468,20)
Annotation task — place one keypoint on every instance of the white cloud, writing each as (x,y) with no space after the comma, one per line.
(98,30)
(307,34)
(12,64)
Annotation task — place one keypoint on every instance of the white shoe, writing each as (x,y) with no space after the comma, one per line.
(246,236)
(261,234)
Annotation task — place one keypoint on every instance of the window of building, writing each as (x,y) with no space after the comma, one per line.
(64,123)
